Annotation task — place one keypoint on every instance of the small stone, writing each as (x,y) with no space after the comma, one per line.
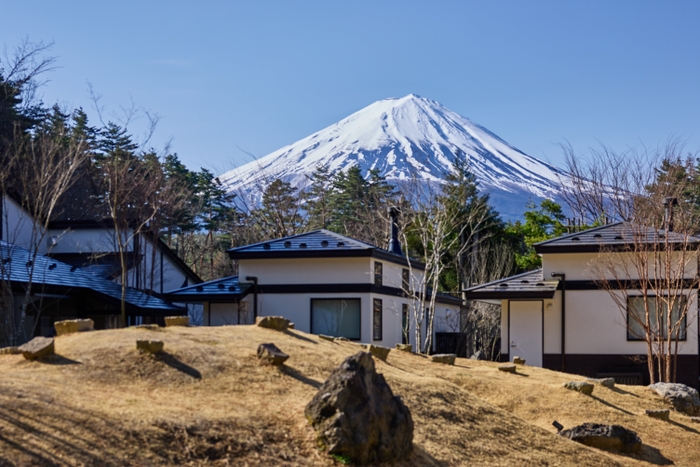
(580,386)
(9,351)
(177,321)
(378,351)
(614,437)
(660,414)
(290,326)
(326,338)
(341,339)
(605,382)
(404,347)
(148,327)
(278,323)
(507,368)
(37,348)
(478,355)
(149,346)
(71,326)
(446,358)
(519,361)
(683,398)
(695,419)
(270,353)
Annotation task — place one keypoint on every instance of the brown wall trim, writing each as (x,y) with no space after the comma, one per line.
(344,288)
(592,364)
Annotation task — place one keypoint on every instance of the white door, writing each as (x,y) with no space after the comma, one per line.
(526,331)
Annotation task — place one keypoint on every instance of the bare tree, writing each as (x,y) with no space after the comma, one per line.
(650,272)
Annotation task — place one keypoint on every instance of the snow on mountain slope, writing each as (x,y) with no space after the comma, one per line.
(403,138)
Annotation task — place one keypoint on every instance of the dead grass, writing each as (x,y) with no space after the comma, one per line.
(206,401)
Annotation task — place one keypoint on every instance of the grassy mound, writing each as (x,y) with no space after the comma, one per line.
(206,401)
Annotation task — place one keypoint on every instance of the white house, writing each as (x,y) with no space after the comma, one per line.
(325,283)
(562,317)
(90,247)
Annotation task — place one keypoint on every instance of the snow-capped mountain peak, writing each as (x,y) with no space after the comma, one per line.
(405,137)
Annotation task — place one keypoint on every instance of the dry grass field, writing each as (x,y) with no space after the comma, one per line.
(206,401)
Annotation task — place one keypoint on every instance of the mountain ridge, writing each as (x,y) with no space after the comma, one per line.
(404,138)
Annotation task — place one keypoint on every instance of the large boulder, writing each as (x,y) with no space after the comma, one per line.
(278,323)
(69,326)
(683,398)
(271,354)
(356,415)
(609,437)
(38,347)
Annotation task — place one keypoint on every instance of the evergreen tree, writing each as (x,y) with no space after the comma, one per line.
(278,215)
(317,199)
(541,223)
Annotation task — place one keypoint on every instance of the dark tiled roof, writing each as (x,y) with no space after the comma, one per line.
(316,244)
(227,289)
(615,236)
(17,266)
(527,285)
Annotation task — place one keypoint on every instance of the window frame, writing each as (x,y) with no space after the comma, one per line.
(406,280)
(378,273)
(311,313)
(632,337)
(377,324)
(405,323)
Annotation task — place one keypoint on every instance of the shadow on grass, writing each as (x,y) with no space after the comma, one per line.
(58,360)
(520,374)
(173,362)
(289,371)
(686,428)
(622,391)
(612,406)
(422,457)
(295,335)
(649,454)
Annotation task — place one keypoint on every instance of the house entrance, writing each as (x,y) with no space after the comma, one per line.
(525,331)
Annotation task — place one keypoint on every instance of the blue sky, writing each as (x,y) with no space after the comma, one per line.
(231,79)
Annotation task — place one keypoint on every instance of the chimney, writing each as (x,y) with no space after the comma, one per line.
(669,203)
(394,245)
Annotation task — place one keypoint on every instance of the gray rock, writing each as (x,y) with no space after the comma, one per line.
(356,415)
(683,398)
(326,338)
(278,323)
(580,386)
(609,437)
(695,419)
(404,347)
(446,358)
(177,321)
(507,368)
(71,326)
(605,382)
(378,351)
(478,355)
(660,414)
(519,361)
(341,339)
(270,353)
(37,348)
(149,346)
(148,327)
(9,351)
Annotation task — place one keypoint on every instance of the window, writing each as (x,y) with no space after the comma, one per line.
(636,316)
(378,272)
(404,323)
(405,280)
(377,320)
(337,318)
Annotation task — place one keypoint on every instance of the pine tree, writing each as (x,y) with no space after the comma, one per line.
(317,199)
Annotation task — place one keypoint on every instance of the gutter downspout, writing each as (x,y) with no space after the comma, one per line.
(254,280)
(562,276)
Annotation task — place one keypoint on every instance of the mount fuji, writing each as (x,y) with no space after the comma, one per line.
(403,138)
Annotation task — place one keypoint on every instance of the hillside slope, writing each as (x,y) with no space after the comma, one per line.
(208,402)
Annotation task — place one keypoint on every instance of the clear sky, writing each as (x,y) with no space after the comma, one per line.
(237,78)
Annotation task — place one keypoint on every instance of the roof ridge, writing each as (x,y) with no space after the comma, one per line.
(569,235)
(508,278)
